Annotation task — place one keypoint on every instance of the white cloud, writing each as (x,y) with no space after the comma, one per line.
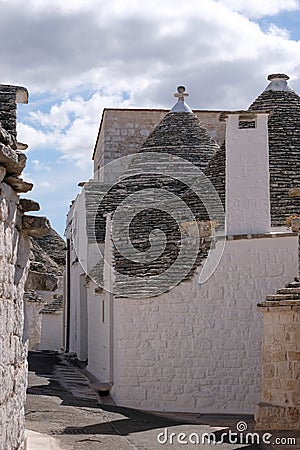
(54,190)
(121,8)
(38,166)
(259,8)
(89,54)
(45,184)
(70,127)
(34,137)
(119,47)
(274,30)
(56,119)
(65,45)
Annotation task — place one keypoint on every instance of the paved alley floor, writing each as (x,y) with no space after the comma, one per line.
(62,405)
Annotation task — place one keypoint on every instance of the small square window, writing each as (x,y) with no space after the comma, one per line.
(247,123)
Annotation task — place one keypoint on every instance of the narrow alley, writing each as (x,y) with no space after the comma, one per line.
(62,405)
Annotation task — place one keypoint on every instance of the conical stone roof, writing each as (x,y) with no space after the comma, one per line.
(284,145)
(181,134)
(215,172)
(284,148)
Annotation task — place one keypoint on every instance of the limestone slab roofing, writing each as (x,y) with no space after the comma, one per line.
(180,134)
(284,148)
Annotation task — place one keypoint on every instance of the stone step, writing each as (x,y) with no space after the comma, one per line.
(293,284)
(76,383)
(289,290)
(38,441)
(282,297)
(101,387)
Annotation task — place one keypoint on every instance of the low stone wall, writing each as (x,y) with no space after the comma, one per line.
(280,406)
(14,251)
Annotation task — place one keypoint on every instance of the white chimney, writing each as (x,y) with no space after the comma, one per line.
(247,173)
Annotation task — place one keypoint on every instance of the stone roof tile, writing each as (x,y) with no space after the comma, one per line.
(284,153)
(284,148)
(181,134)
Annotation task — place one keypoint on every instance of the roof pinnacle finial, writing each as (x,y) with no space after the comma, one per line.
(278,82)
(181,106)
(278,76)
(181,93)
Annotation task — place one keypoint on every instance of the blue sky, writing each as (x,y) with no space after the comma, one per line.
(288,20)
(77,57)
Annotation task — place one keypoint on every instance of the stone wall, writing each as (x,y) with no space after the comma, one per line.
(9,97)
(197,348)
(14,250)
(15,230)
(280,405)
(123,131)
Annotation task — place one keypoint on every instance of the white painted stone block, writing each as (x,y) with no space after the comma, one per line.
(247,177)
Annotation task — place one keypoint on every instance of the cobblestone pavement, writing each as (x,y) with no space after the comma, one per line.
(61,404)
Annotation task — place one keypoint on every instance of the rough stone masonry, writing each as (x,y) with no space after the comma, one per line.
(15,231)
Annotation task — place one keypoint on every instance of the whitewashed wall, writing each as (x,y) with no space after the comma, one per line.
(78,311)
(76,232)
(52,332)
(198,347)
(32,324)
(98,334)
(247,177)
(75,305)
